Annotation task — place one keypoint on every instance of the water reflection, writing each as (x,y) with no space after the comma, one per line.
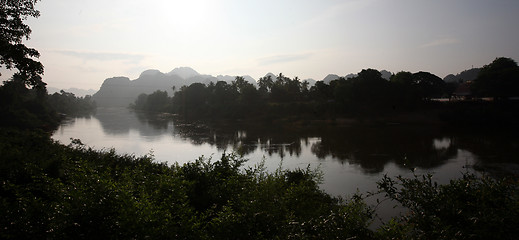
(373,147)
(119,121)
(369,147)
(351,158)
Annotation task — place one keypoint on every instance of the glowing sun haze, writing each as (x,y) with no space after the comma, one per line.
(84,42)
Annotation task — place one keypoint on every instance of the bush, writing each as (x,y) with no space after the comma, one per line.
(49,190)
(467,208)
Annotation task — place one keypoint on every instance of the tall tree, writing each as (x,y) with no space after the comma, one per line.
(405,89)
(499,79)
(369,87)
(240,84)
(429,85)
(13,53)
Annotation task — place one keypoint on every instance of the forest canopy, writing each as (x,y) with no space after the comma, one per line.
(364,94)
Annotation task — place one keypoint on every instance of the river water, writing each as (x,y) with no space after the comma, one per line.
(351,158)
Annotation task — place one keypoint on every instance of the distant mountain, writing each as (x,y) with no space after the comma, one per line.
(226,78)
(467,75)
(272,75)
(205,79)
(76,91)
(330,78)
(115,92)
(451,78)
(184,72)
(230,79)
(150,72)
(250,80)
(351,75)
(149,83)
(386,74)
(311,81)
(121,91)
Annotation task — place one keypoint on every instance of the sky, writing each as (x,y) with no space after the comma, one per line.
(84,42)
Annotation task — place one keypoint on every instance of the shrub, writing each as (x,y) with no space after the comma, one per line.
(467,208)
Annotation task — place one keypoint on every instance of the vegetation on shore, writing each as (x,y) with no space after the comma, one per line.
(55,191)
(52,191)
(25,108)
(49,190)
(365,96)
(24,102)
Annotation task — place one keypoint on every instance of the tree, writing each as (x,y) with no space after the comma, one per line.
(158,101)
(265,84)
(369,87)
(278,92)
(321,91)
(241,84)
(429,85)
(13,53)
(499,79)
(402,78)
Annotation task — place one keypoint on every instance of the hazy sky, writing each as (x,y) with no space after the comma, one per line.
(84,42)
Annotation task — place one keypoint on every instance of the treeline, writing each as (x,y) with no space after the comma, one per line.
(49,191)
(23,107)
(366,94)
(68,103)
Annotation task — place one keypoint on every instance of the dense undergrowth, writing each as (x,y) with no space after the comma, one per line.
(49,191)
(55,191)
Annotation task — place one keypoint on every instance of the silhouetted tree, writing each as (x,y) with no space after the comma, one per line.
(369,87)
(158,101)
(305,90)
(404,88)
(265,84)
(278,91)
(140,102)
(240,84)
(341,91)
(23,97)
(368,94)
(429,85)
(499,79)
(293,88)
(13,53)
(68,103)
(321,92)
(402,78)
(249,95)
(224,94)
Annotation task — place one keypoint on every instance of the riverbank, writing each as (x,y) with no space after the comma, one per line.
(50,190)
(453,115)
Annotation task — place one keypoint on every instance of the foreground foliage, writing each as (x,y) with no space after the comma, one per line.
(49,190)
(467,208)
(13,53)
(53,191)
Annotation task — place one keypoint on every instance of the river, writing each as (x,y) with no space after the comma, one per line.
(351,158)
